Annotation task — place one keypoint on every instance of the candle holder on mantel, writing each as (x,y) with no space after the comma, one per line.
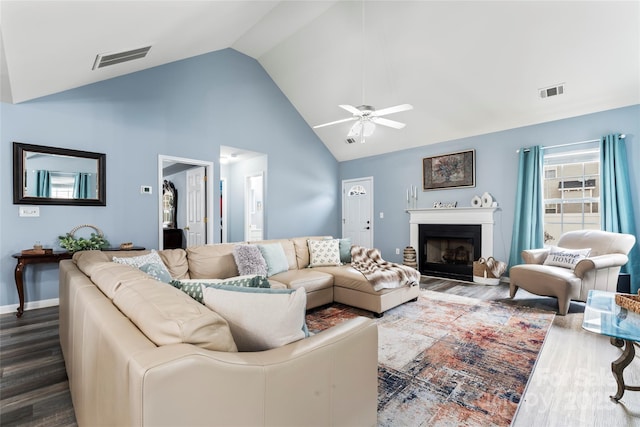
(412,197)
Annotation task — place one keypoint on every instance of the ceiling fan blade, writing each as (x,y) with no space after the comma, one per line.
(391,110)
(353,110)
(336,122)
(387,122)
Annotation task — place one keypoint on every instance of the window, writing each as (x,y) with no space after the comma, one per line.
(571,195)
(62,185)
(357,190)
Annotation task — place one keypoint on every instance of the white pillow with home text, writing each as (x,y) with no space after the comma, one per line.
(567,258)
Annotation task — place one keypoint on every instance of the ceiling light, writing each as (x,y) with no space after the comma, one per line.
(362,127)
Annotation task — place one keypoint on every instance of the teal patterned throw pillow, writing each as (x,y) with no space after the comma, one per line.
(195,288)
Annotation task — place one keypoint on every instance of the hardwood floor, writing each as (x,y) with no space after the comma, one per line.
(33,381)
(570,385)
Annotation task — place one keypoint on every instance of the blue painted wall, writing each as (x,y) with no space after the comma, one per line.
(496,172)
(185,109)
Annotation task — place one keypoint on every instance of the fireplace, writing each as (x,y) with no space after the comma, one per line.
(459,250)
(448,250)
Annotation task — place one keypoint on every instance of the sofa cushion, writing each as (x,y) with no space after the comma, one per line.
(110,276)
(88,260)
(212,261)
(567,258)
(150,263)
(249,260)
(301,247)
(324,252)
(345,276)
(167,316)
(311,280)
(260,319)
(176,262)
(274,256)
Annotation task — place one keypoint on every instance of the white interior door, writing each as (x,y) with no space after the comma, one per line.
(357,211)
(195,231)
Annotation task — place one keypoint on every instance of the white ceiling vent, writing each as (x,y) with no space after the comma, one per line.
(552,91)
(106,59)
(350,140)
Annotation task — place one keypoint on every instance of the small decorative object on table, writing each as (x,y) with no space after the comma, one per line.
(489,271)
(629,301)
(72,244)
(126,245)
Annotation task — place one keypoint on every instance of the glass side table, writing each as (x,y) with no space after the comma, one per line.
(603,316)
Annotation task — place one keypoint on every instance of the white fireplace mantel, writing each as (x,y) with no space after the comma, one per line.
(472,216)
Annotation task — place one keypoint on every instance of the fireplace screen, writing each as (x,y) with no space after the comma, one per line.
(449,250)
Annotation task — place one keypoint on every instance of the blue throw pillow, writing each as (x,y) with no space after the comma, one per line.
(345,250)
(273,254)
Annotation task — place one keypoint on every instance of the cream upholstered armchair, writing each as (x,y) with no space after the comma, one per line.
(582,260)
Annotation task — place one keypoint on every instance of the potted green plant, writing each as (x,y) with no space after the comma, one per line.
(73,244)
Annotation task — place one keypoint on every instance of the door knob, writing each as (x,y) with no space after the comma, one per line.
(186,228)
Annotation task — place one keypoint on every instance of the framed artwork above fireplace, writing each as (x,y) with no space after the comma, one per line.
(452,170)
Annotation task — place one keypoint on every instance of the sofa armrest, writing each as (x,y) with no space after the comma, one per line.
(327,379)
(599,262)
(534,256)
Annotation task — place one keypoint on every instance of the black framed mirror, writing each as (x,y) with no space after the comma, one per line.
(45,175)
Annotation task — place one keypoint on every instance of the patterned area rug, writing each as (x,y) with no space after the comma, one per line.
(448,360)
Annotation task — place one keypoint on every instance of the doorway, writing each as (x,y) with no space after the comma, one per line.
(239,208)
(254,207)
(194,208)
(357,211)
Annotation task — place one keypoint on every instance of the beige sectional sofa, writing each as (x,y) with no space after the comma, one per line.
(139,352)
(324,285)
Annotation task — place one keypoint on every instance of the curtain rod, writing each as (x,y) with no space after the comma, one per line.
(570,144)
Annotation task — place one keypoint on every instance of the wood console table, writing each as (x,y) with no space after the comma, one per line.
(24,260)
(55,257)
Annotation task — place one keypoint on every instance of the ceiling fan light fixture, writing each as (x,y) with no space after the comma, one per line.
(368,127)
(355,129)
(362,127)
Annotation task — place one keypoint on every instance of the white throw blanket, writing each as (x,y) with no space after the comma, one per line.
(380,273)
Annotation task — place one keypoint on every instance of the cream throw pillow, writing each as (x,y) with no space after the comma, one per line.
(567,258)
(259,318)
(324,253)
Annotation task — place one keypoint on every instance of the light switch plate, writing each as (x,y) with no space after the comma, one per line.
(29,211)
(145,189)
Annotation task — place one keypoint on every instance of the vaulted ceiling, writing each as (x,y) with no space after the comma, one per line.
(467,67)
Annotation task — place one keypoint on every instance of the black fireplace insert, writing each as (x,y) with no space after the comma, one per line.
(448,250)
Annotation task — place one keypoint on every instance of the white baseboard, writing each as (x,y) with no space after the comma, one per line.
(31,305)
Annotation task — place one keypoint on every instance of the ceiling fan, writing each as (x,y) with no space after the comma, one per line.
(367,118)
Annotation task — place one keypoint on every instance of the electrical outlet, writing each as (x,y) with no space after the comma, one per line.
(397,251)
(145,189)
(381,215)
(29,211)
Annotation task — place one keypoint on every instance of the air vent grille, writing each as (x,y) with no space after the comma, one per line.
(552,91)
(350,140)
(106,59)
